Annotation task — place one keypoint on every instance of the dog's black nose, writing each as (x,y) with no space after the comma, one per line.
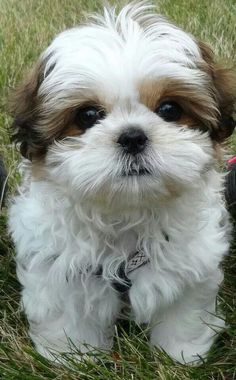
(133,140)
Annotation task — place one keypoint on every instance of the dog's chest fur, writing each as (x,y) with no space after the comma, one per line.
(65,238)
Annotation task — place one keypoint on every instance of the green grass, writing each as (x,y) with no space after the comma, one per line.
(26,27)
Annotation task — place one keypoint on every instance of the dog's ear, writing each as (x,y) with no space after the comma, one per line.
(25,109)
(224,91)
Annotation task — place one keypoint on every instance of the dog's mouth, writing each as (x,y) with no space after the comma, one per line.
(135,167)
(136,170)
(139,172)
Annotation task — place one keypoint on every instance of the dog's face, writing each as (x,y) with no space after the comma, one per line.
(127,109)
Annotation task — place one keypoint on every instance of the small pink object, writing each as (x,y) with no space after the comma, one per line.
(232,160)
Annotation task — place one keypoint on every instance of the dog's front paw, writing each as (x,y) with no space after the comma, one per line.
(190,353)
(187,344)
(59,352)
(143,296)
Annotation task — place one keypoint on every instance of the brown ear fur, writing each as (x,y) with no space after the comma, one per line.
(25,106)
(224,82)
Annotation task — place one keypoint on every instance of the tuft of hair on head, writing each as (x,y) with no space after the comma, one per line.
(126,18)
(224,91)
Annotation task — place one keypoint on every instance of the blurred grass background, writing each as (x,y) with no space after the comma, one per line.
(26,28)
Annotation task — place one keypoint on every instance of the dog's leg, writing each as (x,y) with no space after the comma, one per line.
(187,328)
(82,322)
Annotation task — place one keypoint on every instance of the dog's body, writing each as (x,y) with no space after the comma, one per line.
(141,178)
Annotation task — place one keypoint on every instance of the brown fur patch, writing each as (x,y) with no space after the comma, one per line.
(25,108)
(63,123)
(211,110)
(151,92)
(224,87)
(199,108)
(35,128)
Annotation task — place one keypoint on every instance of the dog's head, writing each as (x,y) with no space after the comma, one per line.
(126,108)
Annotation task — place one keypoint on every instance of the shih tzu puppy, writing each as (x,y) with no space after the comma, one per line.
(121,205)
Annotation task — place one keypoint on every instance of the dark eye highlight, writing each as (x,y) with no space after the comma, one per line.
(169,111)
(86,117)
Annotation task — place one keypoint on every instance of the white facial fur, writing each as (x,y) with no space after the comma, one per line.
(106,63)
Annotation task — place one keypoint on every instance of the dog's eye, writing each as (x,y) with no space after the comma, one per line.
(86,117)
(169,111)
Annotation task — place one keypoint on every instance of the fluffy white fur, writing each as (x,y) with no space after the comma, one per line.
(82,212)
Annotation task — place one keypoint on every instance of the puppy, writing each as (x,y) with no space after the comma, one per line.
(120,206)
